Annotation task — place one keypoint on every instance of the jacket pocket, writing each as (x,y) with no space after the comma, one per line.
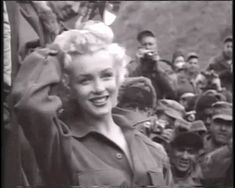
(156,178)
(101,178)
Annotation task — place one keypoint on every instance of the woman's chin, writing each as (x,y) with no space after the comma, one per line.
(100,111)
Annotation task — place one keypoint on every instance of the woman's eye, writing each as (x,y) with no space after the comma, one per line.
(84,81)
(107,75)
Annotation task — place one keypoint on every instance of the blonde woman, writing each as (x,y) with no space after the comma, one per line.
(94,146)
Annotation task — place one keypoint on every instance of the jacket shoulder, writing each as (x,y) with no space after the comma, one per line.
(156,149)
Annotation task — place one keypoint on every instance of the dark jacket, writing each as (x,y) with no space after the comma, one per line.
(219,63)
(70,153)
(217,167)
(160,81)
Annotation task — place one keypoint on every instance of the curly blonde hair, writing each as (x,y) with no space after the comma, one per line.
(91,37)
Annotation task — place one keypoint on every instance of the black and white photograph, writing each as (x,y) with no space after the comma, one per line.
(117,94)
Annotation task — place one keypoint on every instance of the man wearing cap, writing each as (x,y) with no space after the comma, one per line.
(199,128)
(203,106)
(170,110)
(223,61)
(178,60)
(217,161)
(193,64)
(146,63)
(137,96)
(184,155)
(170,115)
(221,126)
(187,75)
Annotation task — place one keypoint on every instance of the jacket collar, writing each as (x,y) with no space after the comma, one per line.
(80,129)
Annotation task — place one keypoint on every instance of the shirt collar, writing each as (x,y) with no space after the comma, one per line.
(79,128)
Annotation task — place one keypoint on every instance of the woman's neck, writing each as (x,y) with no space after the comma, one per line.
(103,124)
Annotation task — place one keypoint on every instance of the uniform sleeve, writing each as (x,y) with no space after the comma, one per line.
(164,86)
(216,164)
(36,110)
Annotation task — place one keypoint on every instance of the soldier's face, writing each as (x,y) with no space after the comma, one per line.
(193,64)
(149,43)
(179,62)
(228,49)
(221,131)
(207,116)
(184,158)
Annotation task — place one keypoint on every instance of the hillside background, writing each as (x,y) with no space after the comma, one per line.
(198,26)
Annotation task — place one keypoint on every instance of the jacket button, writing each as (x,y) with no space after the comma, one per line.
(119,155)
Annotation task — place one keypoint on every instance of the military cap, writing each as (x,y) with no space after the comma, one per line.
(191,55)
(171,108)
(188,139)
(228,38)
(222,110)
(198,126)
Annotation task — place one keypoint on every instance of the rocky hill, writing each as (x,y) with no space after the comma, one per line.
(198,26)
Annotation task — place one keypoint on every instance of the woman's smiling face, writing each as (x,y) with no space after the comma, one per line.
(93,81)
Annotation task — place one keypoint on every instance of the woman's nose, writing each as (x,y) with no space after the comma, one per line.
(98,86)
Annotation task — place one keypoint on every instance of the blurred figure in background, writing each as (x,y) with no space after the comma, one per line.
(178,60)
(182,83)
(223,61)
(193,67)
(203,108)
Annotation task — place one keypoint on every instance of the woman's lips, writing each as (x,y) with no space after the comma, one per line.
(99,101)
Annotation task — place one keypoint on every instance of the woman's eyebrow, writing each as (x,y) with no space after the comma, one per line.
(83,76)
(107,69)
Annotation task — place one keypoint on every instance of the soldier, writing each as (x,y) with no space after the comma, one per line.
(223,61)
(218,158)
(170,115)
(221,126)
(147,63)
(184,155)
(137,96)
(203,106)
